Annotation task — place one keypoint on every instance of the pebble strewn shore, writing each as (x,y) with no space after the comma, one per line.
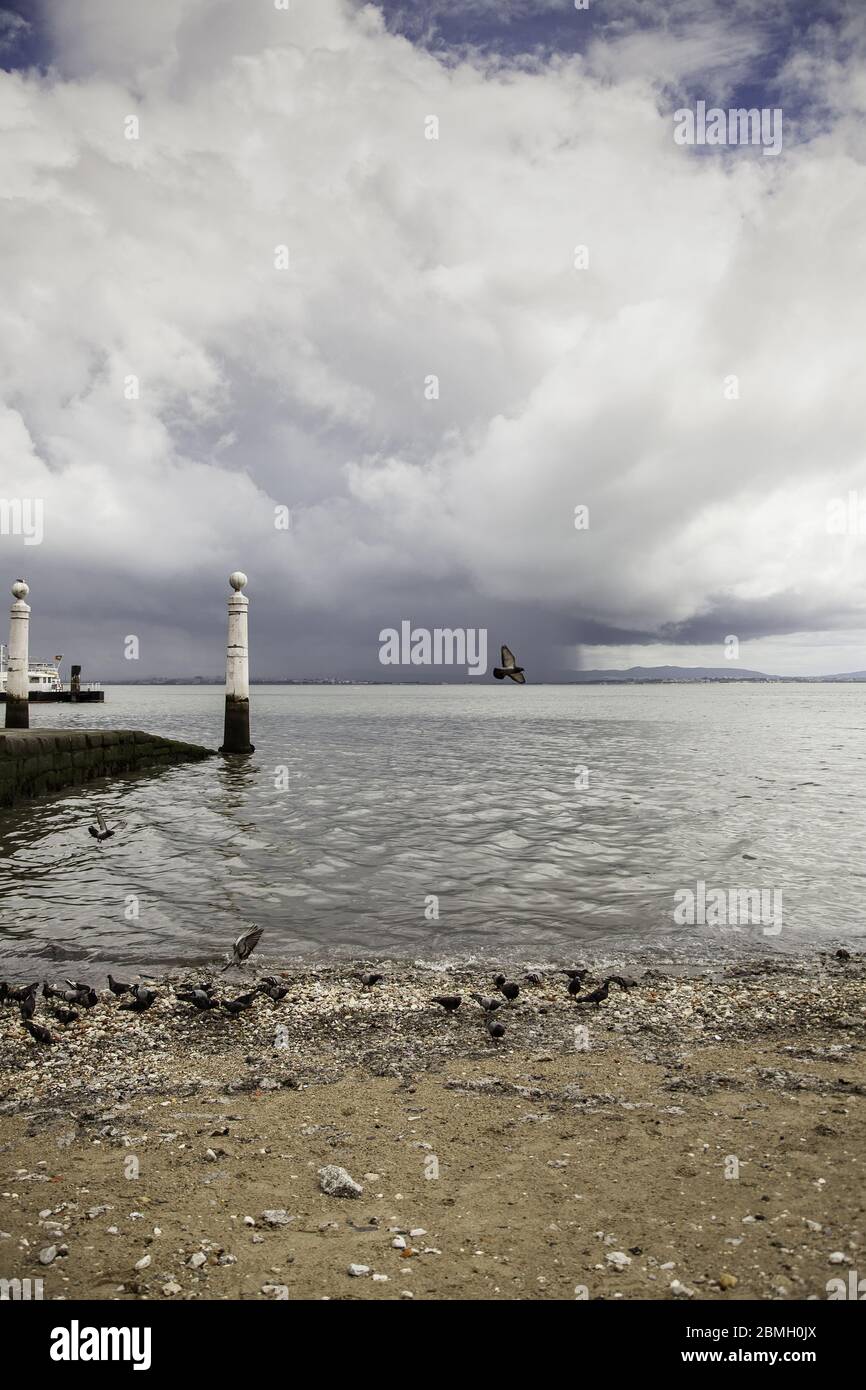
(329,1022)
(586,1148)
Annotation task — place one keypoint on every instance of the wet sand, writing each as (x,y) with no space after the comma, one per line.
(703,1138)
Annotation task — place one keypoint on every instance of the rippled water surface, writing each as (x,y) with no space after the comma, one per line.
(463,792)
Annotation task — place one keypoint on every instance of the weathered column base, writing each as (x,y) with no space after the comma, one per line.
(17,713)
(236,733)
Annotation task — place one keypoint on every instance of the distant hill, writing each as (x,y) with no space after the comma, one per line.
(636,674)
(677,673)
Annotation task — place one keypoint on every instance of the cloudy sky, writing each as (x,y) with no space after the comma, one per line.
(607,385)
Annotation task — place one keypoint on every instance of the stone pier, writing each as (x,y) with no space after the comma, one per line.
(35,761)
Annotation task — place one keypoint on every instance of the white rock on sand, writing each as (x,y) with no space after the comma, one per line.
(336,1182)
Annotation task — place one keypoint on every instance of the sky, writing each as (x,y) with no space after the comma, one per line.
(252,316)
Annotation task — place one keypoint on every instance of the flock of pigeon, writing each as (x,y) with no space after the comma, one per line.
(510,990)
(64,1003)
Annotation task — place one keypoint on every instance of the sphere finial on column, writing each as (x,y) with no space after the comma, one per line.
(238,580)
(21,590)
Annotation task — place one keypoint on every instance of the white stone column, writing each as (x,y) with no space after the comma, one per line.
(18,673)
(236,736)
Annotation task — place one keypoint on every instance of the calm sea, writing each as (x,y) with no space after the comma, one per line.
(432,822)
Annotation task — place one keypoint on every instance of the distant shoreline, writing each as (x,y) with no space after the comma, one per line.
(857,679)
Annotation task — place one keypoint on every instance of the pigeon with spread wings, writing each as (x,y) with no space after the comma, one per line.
(103,833)
(509,668)
(245,945)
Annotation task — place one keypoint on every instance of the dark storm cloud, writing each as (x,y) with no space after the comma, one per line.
(167,388)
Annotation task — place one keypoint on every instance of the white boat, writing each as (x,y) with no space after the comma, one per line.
(43,676)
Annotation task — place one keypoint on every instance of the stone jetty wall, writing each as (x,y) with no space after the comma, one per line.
(34,761)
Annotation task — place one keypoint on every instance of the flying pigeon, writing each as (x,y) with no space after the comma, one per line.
(103,833)
(449,1002)
(509,668)
(245,945)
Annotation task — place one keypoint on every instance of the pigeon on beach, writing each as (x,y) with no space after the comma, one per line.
(448,1002)
(86,997)
(64,1015)
(117,987)
(495,1029)
(28,1004)
(245,945)
(237,1006)
(274,989)
(509,668)
(17,994)
(141,999)
(76,993)
(199,998)
(507,987)
(36,1031)
(597,997)
(488,1005)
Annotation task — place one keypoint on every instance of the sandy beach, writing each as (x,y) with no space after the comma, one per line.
(698,1136)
